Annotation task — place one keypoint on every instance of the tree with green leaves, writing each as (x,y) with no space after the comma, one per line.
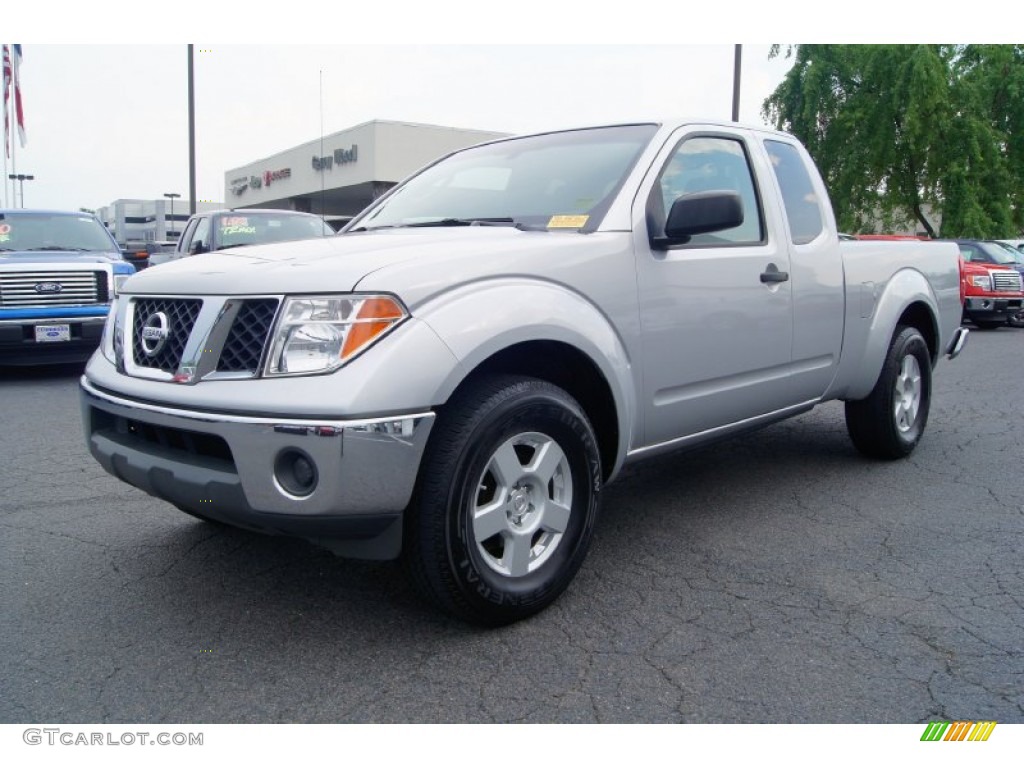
(902,132)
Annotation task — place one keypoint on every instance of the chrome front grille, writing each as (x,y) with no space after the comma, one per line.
(190,339)
(243,348)
(178,318)
(44,288)
(1005,280)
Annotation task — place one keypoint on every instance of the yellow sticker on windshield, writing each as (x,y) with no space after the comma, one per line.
(237,230)
(567,222)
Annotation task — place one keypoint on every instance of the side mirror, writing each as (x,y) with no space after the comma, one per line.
(701,213)
(197,247)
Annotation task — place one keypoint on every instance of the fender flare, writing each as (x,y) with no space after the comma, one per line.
(906,288)
(478,320)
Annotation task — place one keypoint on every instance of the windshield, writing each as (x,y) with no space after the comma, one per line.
(53,232)
(1014,253)
(997,253)
(244,228)
(557,180)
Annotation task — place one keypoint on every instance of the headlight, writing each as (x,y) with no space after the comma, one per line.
(984,282)
(121,272)
(107,339)
(316,334)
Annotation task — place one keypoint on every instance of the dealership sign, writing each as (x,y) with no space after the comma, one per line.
(242,183)
(340,157)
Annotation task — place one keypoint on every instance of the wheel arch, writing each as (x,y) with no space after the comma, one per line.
(542,329)
(907,300)
(566,367)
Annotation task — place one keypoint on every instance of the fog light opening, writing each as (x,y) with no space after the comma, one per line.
(296,472)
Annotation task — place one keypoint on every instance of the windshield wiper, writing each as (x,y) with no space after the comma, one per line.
(53,248)
(502,221)
(491,222)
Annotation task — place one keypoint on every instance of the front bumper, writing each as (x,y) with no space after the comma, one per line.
(991,308)
(229,467)
(18,345)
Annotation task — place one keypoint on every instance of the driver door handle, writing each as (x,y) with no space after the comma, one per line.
(773,275)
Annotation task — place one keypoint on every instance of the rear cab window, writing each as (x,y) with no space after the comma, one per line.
(802,204)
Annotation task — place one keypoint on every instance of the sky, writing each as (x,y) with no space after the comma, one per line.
(107,120)
(110,122)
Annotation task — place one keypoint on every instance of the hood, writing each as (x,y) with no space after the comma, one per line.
(59,257)
(331,264)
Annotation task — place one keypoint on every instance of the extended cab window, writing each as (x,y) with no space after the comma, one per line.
(708,164)
(803,210)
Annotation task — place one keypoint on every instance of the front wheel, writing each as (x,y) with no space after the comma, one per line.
(1016,320)
(506,502)
(889,422)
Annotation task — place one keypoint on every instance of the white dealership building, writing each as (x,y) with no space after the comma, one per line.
(338,175)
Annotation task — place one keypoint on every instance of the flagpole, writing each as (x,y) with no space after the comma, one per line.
(14,123)
(7,197)
(3,100)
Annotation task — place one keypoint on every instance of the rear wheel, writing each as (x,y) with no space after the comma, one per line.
(889,422)
(506,502)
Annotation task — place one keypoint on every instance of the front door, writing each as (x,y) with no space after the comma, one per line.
(716,311)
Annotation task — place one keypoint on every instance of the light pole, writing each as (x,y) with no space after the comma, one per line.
(737,66)
(170,196)
(21,178)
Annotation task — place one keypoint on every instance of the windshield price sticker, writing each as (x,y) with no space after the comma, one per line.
(5,233)
(567,222)
(236,225)
(46,333)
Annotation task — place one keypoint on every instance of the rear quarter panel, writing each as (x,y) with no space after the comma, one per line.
(882,280)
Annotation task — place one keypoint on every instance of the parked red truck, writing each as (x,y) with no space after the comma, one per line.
(991,285)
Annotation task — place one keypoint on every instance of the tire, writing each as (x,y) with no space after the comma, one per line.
(989,325)
(1015,320)
(889,422)
(506,501)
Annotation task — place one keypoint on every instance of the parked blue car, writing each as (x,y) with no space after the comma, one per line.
(59,272)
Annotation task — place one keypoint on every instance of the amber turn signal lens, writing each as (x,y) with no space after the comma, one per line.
(373,318)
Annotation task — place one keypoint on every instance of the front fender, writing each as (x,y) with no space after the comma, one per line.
(478,320)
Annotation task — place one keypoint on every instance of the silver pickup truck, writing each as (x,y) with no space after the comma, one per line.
(456,376)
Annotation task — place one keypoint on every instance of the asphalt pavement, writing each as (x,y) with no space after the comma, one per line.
(777,577)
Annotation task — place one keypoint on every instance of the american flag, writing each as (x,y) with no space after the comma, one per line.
(3,95)
(19,112)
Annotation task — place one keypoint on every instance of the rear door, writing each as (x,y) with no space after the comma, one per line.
(816,269)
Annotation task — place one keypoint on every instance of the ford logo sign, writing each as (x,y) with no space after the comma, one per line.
(48,288)
(155,332)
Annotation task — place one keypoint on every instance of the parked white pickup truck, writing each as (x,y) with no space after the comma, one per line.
(456,376)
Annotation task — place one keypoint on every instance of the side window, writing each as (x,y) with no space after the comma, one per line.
(201,237)
(969,253)
(803,209)
(705,164)
(186,237)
